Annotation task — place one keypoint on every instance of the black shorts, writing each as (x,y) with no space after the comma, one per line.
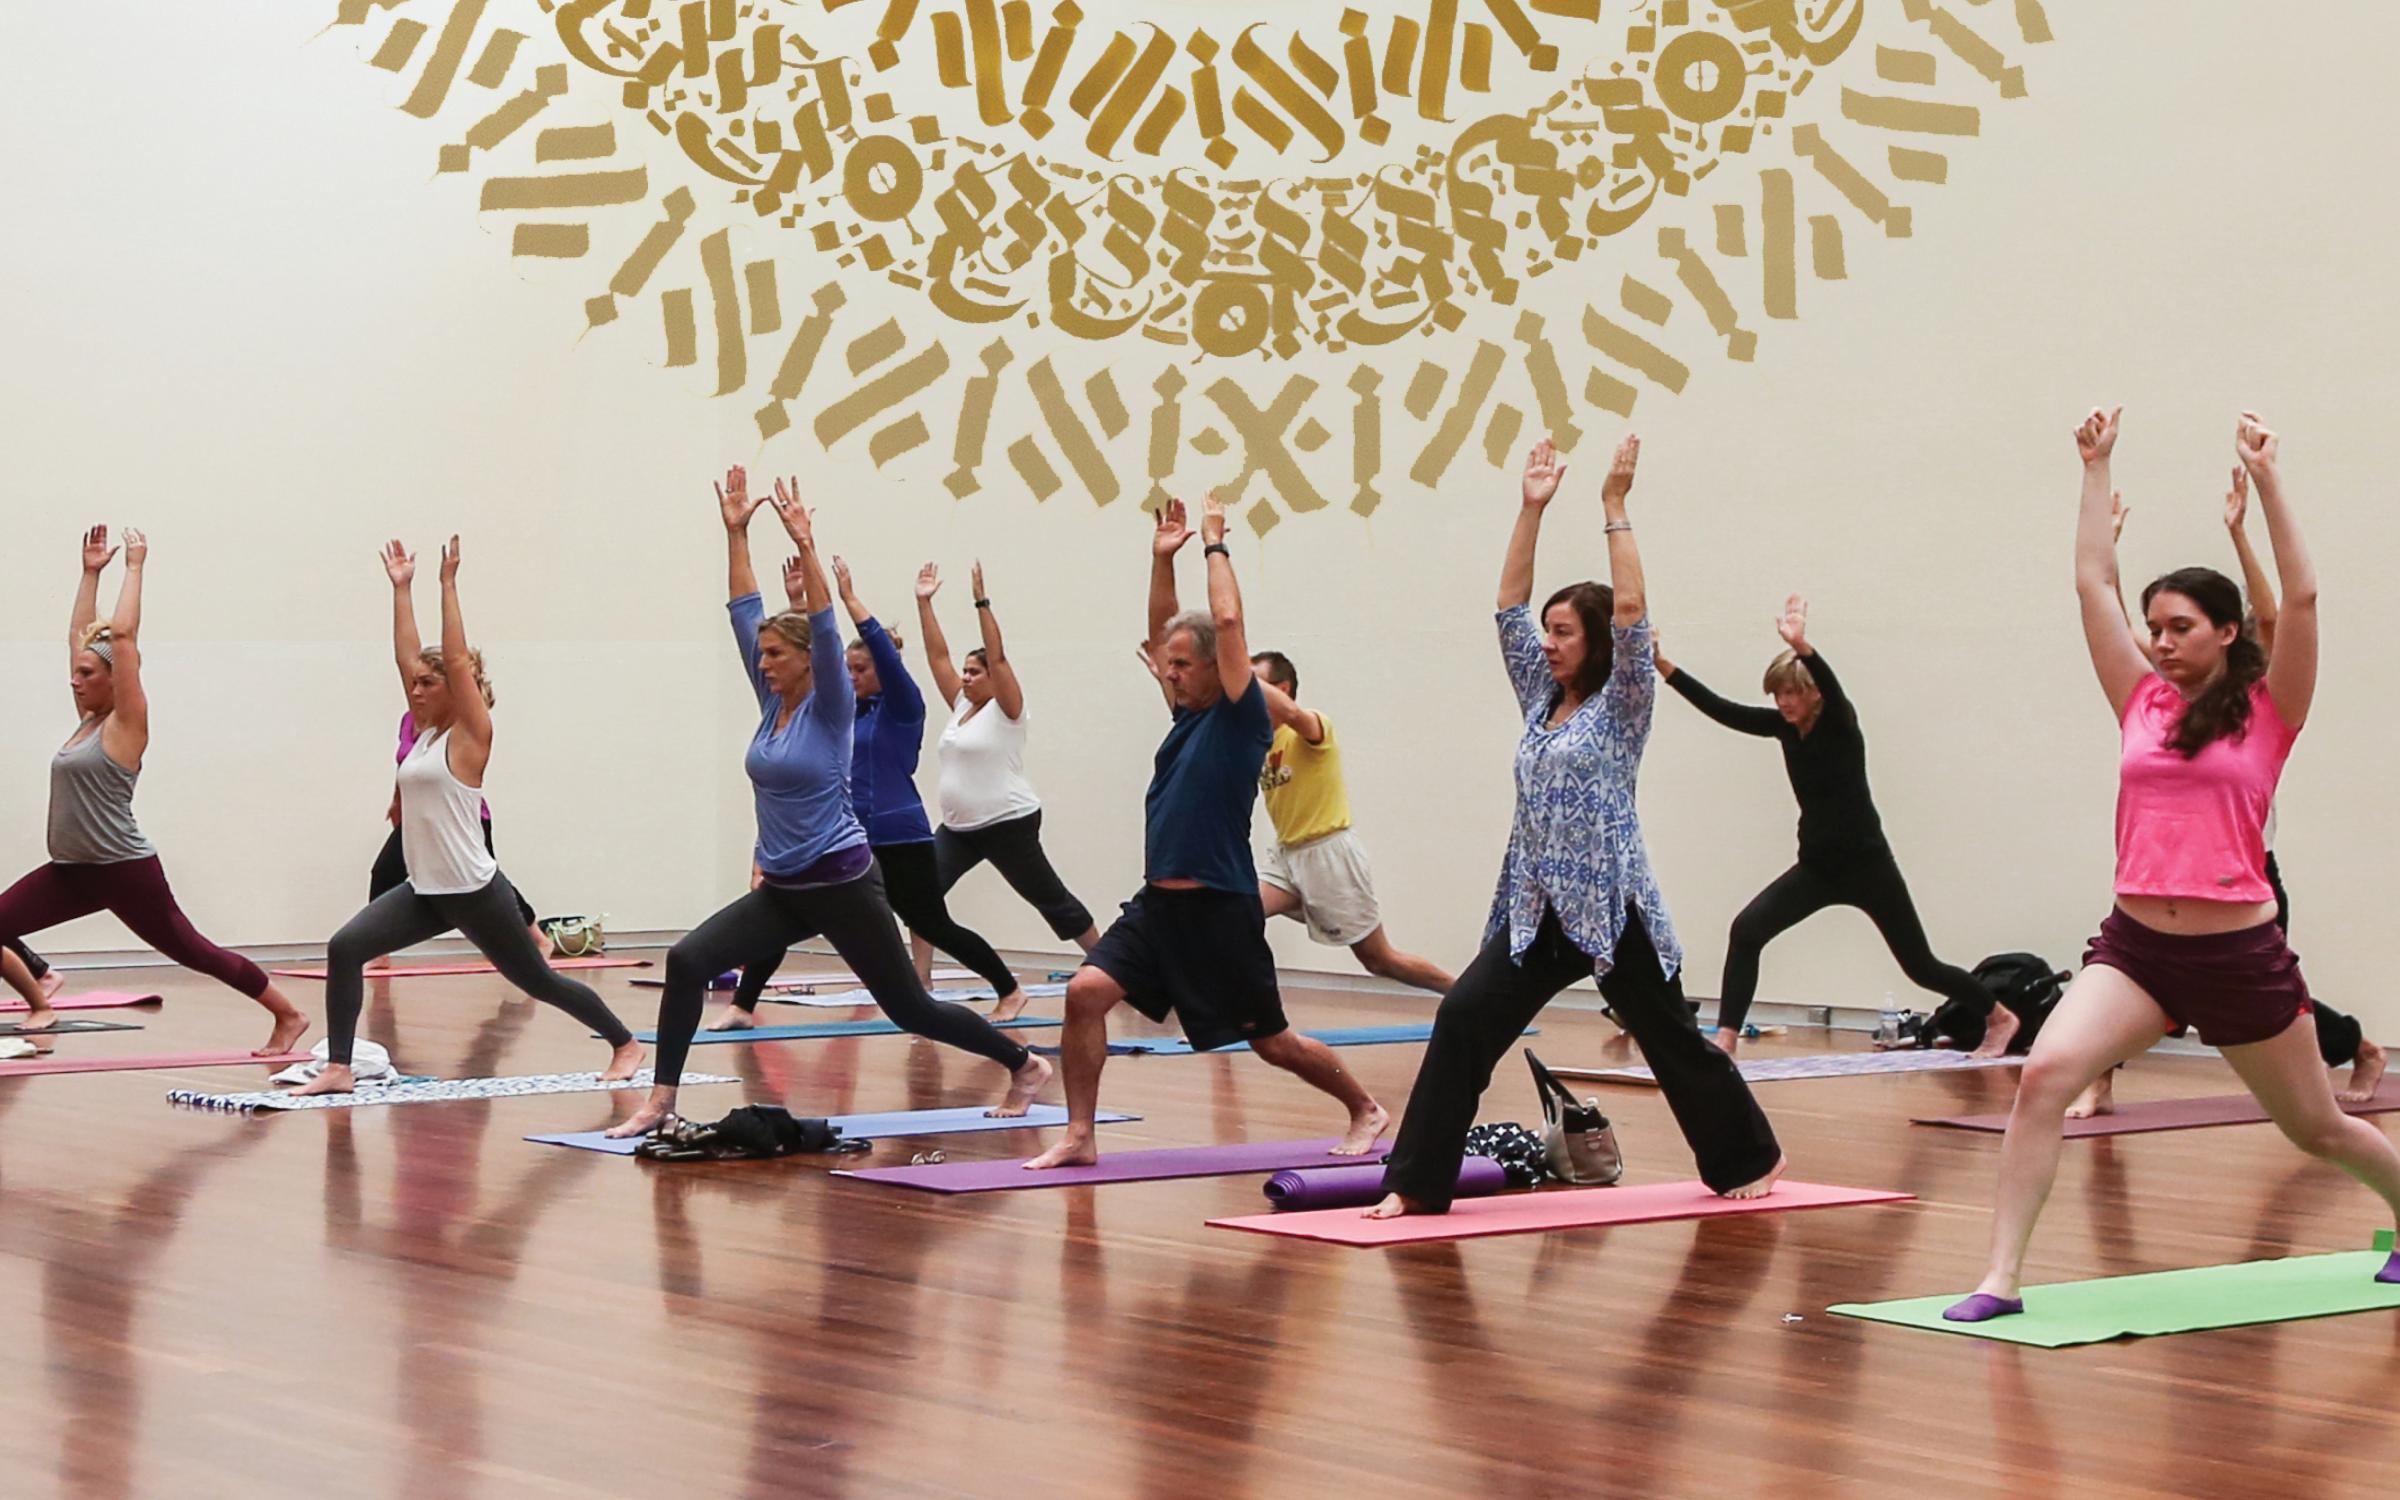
(1201,956)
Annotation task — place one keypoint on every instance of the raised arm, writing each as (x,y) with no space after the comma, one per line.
(127,733)
(1624,558)
(2117,658)
(1543,471)
(1174,529)
(929,628)
(400,566)
(97,554)
(851,605)
(470,717)
(2255,581)
(735,505)
(800,526)
(1225,603)
(1283,710)
(1006,690)
(2292,673)
(1792,625)
(830,699)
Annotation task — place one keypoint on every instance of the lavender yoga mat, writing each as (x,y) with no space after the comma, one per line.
(1356,1187)
(1115,1166)
(2170,1114)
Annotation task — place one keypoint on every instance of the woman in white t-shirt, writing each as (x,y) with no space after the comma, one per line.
(989,810)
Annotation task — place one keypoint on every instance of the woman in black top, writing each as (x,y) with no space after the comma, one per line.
(1844,859)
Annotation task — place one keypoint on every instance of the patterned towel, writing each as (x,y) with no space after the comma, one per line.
(429,1093)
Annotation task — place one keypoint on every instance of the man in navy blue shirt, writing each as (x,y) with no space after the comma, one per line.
(1192,942)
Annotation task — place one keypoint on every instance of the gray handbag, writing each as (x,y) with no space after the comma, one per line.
(1578,1143)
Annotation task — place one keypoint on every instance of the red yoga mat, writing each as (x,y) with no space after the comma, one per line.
(1565,1208)
(428,971)
(2171,1114)
(89,1000)
(27,1067)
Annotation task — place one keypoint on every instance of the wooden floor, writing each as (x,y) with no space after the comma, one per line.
(413,1302)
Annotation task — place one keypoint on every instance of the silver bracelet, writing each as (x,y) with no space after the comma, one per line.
(1616,526)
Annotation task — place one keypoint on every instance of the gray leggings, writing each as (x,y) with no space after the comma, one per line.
(487,918)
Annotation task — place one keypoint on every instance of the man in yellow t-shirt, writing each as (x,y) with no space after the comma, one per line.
(1316,870)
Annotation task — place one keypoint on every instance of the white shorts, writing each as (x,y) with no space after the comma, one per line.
(1329,875)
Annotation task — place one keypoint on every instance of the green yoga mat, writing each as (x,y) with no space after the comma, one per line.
(2115,1307)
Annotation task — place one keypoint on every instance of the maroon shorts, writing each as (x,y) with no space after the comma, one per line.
(2232,987)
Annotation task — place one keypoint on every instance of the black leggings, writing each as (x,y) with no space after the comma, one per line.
(1872,885)
(1014,848)
(855,918)
(31,959)
(1490,1006)
(2339,1036)
(391,869)
(913,886)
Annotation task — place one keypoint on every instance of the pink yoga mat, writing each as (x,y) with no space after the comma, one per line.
(428,971)
(1562,1208)
(26,1067)
(2171,1114)
(815,982)
(89,1000)
(1117,1166)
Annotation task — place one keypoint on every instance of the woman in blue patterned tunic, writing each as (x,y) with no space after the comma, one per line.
(1576,898)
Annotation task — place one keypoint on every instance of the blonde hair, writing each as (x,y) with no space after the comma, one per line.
(792,625)
(1788,671)
(431,656)
(99,640)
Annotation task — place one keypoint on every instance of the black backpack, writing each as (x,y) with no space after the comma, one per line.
(2024,982)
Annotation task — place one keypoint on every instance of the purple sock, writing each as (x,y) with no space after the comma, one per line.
(2390,1274)
(1983,1307)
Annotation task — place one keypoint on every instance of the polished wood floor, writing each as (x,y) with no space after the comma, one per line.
(414,1302)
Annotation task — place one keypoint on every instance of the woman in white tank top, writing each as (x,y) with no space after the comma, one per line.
(453,880)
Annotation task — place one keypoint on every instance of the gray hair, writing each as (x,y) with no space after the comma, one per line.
(1202,626)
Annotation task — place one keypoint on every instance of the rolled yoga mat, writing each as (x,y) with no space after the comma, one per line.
(92,1000)
(2170,1114)
(1356,1187)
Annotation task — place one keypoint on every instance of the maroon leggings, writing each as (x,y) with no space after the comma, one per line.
(135,892)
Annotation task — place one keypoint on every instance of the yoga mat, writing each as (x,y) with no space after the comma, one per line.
(967,1121)
(29,1066)
(870,1026)
(2156,1302)
(429,971)
(435,1092)
(961,995)
(811,981)
(2169,1114)
(1821,1065)
(1356,1187)
(65,1028)
(1121,1166)
(1562,1208)
(89,1000)
(1338,1036)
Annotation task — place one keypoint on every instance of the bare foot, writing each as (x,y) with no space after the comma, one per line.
(1727,1041)
(1998,1031)
(290,1026)
(1010,1006)
(379,965)
(1077,1150)
(1760,1188)
(541,942)
(335,1079)
(38,1018)
(1366,1128)
(52,983)
(656,1112)
(734,1019)
(2099,1099)
(1023,1084)
(2366,1071)
(1393,1206)
(623,1063)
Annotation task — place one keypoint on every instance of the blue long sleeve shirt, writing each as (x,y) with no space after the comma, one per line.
(800,775)
(887,740)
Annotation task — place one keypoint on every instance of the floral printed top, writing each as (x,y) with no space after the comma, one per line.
(1575,845)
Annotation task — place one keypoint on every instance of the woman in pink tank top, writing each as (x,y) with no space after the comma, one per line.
(2206,723)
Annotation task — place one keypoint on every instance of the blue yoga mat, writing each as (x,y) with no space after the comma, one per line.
(965,1121)
(1338,1036)
(873,1026)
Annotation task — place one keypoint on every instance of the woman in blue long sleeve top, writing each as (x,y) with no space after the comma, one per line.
(817,874)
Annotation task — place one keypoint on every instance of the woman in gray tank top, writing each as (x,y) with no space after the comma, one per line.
(99,860)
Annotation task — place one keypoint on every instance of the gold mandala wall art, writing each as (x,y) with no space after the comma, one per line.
(1306,253)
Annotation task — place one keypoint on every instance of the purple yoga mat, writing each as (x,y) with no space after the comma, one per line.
(1356,1187)
(1115,1166)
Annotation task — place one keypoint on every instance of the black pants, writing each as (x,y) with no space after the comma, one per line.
(1494,1000)
(1014,848)
(913,885)
(391,869)
(32,959)
(1874,886)
(855,918)
(2338,1035)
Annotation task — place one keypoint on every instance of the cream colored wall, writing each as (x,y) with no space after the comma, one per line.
(241,313)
